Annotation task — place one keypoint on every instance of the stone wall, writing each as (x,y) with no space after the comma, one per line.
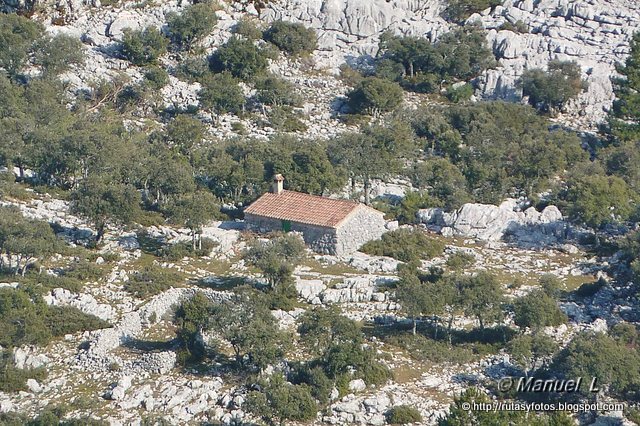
(364,225)
(320,239)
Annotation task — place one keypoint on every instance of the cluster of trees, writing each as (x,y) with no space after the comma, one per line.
(276,259)
(499,149)
(417,64)
(24,42)
(334,344)
(440,297)
(240,59)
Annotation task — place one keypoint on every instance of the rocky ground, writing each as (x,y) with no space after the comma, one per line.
(129,371)
(596,34)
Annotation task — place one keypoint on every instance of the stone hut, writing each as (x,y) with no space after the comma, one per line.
(328,226)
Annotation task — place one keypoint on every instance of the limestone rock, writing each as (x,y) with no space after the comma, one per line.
(495,223)
(357,385)
(117,393)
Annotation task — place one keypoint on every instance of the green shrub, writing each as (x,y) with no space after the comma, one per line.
(375,96)
(425,349)
(460,93)
(152,280)
(280,401)
(406,210)
(67,319)
(552,89)
(374,373)
(460,260)
(240,57)
(285,120)
(184,249)
(460,10)
(518,27)
(276,91)
(193,69)
(58,53)
(156,78)
(143,47)
(17,37)
(405,245)
(403,414)
(293,38)
(536,310)
(222,94)
(193,24)
(319,383)
(14,379)
(248,28)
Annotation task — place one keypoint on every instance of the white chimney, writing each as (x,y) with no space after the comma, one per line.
(278,184)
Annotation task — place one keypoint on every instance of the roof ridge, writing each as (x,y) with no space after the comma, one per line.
(342,200)
(304,208)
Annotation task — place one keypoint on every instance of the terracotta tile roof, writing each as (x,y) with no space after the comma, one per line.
(302,208)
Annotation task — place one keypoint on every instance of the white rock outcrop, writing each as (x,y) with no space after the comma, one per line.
(494,223)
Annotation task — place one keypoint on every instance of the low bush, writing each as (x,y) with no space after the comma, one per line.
(460,10)
(184,249)
(14,379)
(284,119)
(405,245)
(292,38)
(195,22)
(152,280)
(402,415)
(460,260)
(142,47)
(248,28)
(375,96)
(460,93)
(26,319)
(156,78)
(518,27)
(240,57)
(63,320)
(424,349)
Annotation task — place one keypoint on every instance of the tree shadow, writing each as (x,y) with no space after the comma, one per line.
(146,346)
(224,282)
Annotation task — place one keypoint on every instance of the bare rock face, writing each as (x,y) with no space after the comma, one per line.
(494,223)
(348,28)
(594,33)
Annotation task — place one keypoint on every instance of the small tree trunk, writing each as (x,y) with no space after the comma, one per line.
(449,327)
(193,240)
(414,326)
(100,232)
(367,196)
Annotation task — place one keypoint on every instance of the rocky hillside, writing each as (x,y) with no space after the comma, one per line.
(596,34)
